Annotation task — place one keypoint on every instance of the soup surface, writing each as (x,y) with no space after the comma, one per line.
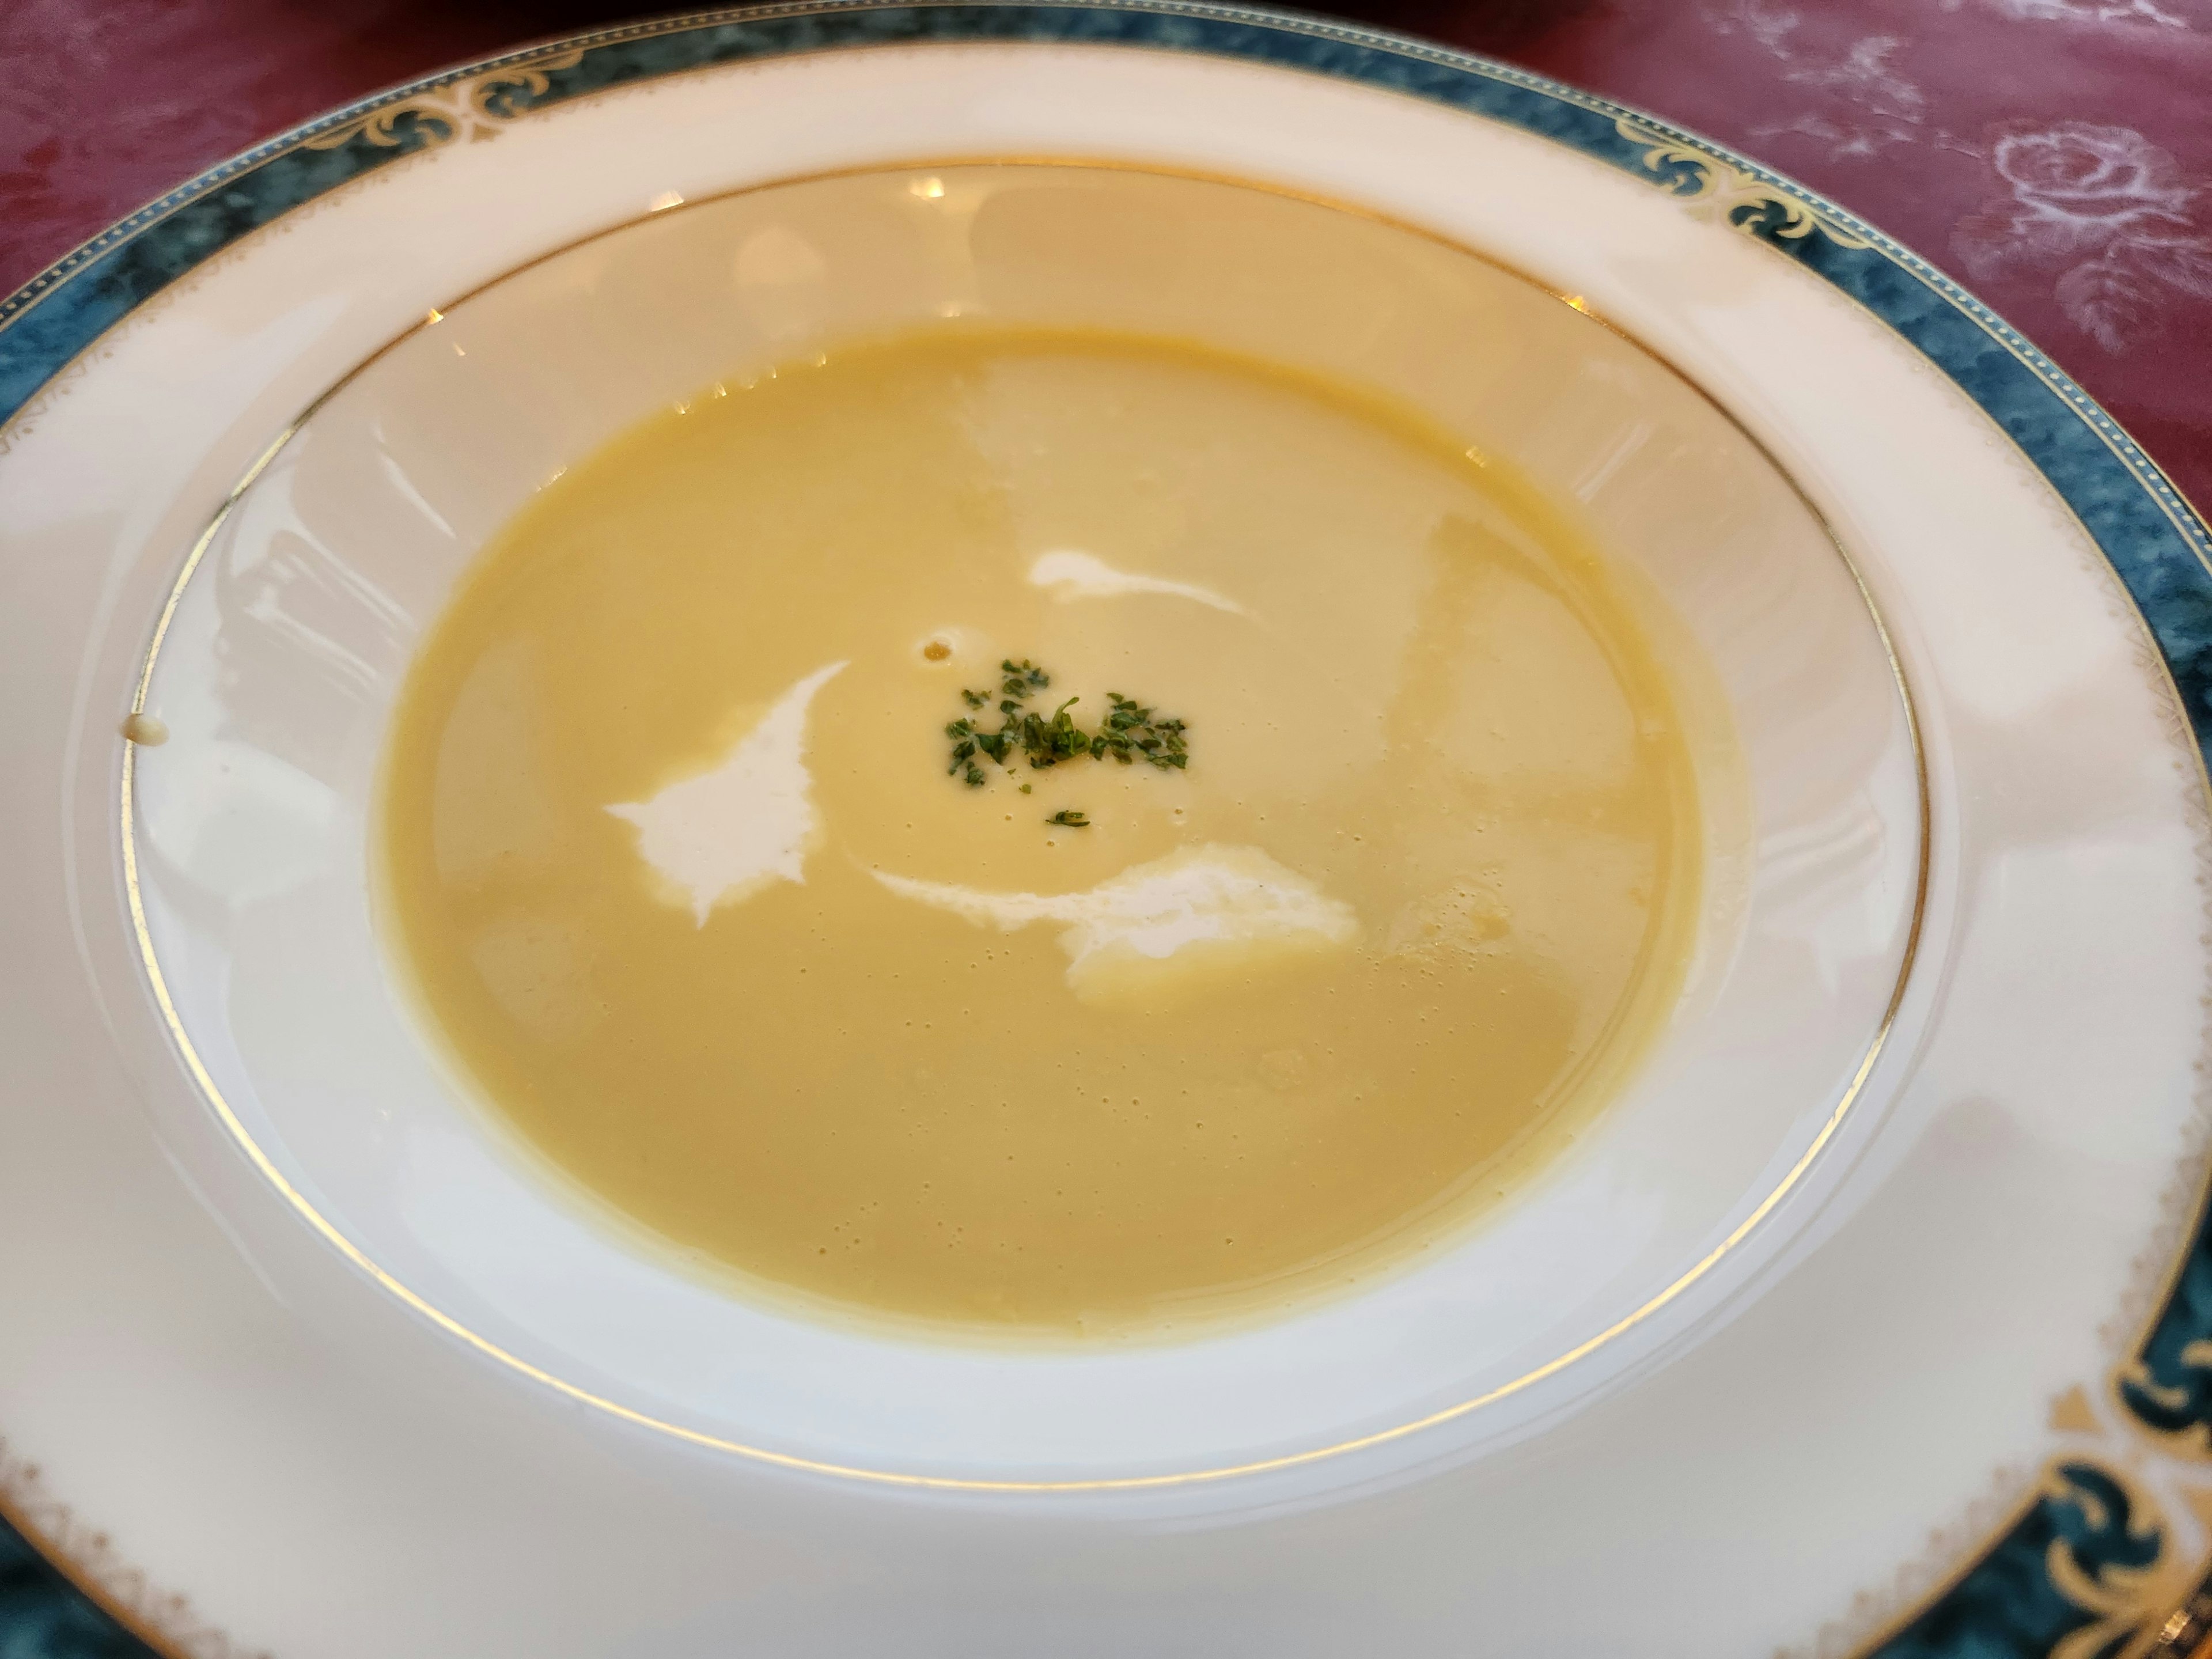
(722,892)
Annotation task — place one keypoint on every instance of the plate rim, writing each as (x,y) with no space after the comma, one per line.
(2156,540)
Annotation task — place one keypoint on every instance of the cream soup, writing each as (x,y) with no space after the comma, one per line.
(683,856)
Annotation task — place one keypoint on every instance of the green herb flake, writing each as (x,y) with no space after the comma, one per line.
(1130,732)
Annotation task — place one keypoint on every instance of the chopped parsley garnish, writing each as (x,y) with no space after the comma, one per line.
(1132,732)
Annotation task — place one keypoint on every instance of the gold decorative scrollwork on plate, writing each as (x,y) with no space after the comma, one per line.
(475,108)
(1720,190)
(2128,1605)
(2133,1560)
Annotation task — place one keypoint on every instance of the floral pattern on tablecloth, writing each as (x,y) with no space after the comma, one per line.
(2108,214)
(2108,210)
(2055,155)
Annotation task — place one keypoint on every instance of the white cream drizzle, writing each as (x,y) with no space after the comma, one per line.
(1232,903)
(725,834)
(1076,576)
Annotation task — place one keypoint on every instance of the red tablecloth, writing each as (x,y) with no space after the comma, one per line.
(2056,156)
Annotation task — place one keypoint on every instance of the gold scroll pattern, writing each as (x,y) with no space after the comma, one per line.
(1719,190)
(474,109)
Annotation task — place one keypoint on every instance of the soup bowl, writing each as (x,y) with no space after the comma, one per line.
(279,660)
(273,677)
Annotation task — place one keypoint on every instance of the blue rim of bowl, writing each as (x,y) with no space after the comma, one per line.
(2074,1562)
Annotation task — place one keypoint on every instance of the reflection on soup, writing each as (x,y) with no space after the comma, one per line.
(718,846)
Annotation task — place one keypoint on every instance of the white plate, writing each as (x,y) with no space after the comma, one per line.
(1940,1268)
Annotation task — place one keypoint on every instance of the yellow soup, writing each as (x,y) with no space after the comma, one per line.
(697,885)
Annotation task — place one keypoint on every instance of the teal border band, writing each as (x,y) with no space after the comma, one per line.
(2007,1604)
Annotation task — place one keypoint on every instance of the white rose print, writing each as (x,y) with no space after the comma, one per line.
(2108,208)
(2088,11)
(1870,106)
